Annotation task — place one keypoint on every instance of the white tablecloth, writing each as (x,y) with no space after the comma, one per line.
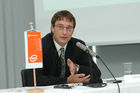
(110,88)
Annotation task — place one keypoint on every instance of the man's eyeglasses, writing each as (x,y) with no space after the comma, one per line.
(61,27)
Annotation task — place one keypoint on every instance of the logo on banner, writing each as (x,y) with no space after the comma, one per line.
(33,58)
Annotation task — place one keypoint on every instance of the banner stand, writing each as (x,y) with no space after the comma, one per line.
(35,90)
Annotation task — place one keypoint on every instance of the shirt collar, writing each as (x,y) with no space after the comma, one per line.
(58,46)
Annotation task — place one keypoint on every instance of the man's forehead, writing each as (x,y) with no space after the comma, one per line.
(64,19)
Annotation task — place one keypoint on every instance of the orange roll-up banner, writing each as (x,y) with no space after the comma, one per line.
(33,50)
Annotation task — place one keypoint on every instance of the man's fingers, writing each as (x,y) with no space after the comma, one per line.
(80,75)
(68,62)
(85,78)
(88,76)
(71,66)
(71,72)
(78,78)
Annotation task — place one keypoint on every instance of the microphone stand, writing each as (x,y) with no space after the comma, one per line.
(91,71)
(91,82)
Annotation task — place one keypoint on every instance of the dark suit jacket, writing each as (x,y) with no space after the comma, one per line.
(52,65)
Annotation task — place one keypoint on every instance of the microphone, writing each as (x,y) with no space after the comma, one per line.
(91,53)
(84,48)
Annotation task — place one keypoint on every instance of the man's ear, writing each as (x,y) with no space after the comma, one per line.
(52,28)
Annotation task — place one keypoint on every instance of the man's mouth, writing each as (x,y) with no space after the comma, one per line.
(64,37)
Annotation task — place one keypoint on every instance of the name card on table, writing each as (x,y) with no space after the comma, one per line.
(132,78)
(33,50)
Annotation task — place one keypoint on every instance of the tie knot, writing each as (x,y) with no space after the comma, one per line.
(62,50)
(62,53)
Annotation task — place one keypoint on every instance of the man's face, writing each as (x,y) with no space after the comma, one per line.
(62,31)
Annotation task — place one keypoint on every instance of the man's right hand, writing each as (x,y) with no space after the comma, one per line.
(78,78)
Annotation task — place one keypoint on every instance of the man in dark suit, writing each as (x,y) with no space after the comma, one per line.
(75,67)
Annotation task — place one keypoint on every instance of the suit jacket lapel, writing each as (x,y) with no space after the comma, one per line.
(55,59)
(68,54)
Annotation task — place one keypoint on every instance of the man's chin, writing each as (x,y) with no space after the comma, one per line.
(64,43)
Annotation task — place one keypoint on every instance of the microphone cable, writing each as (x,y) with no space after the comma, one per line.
(98,57)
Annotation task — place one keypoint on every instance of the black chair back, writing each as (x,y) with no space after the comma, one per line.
(27,77)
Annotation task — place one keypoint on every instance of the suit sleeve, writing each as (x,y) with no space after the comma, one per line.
(45,80)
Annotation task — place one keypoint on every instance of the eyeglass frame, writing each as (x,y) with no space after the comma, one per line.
(61,27)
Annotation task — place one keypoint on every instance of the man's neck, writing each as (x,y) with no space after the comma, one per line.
(59,46)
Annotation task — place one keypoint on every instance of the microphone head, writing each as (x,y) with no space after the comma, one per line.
(84,48)
(81,46)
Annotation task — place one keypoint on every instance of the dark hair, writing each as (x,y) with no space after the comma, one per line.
(60,15)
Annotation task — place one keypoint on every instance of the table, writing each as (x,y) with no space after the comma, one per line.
(110,88)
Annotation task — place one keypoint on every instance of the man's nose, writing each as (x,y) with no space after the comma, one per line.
(64,31)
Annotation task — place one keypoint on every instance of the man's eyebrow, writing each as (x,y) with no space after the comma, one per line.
(60,24)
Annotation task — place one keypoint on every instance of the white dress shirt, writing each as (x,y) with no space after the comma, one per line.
(58,47)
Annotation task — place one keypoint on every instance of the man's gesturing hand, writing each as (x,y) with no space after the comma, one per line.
(71,66)
(78,78)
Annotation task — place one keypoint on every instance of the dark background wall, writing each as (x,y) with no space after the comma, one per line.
(115,55)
